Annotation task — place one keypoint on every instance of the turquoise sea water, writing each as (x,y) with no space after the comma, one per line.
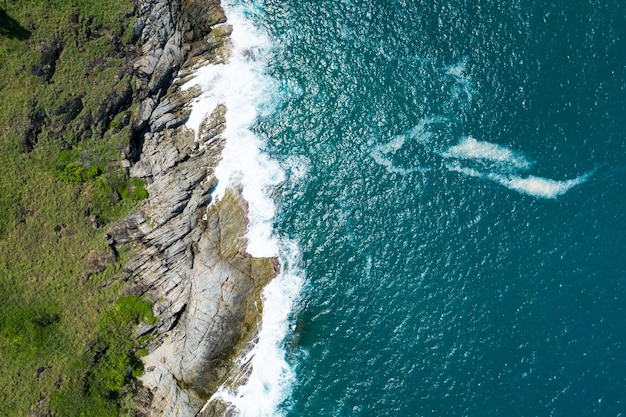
(459,204)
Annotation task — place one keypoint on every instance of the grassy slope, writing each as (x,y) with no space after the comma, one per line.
(50,313)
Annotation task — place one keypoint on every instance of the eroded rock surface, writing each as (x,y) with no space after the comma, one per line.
(209,299)
(191,258)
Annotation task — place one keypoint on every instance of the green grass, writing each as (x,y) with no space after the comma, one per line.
(49,311)
(91,36)
(110,363)
(65,337)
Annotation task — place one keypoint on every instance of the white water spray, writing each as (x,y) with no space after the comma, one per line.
(249,93)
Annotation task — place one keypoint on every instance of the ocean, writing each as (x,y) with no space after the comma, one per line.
(443,181)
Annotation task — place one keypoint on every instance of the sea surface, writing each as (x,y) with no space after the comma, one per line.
(444,181)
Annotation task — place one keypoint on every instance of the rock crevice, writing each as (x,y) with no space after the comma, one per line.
(191,257)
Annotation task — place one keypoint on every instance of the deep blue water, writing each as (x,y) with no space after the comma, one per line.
(461,216)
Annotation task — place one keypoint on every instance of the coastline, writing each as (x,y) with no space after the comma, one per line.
(412,343)
(170,169)
(193,236)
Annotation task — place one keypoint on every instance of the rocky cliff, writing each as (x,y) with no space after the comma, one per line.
(191,254)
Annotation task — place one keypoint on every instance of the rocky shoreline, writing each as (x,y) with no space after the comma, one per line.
(191,258)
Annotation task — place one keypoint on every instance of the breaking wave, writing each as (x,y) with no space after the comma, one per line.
(248,93)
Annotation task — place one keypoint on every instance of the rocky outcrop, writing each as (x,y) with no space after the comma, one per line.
(176,35)
(97,262)
(50,52)
(209,292)
(191,252)
(170,29)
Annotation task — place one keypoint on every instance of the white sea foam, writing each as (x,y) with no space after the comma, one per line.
(270,376)
(485,159)
(530,185)
(539,186)
(381,154)
(463,89)
(248,93)
(470,148)
(504,166)
(298,167)
(243,86)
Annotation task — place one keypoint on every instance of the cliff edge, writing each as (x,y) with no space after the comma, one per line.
(191,252)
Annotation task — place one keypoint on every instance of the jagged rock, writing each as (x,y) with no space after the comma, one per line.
(50,53)
(190,251)
(217,408)
(157,19)
(163,114)
(146,107)
(203,14)
(219,35)
(97,262)
(213,125)
(129,229)
(166,120)
(223,294)
(193,261)
(36,121)
(144,66)
(119,99)
(169,62)
(70,109)
(214,48)
(138,28)
(173,110)
(165,106)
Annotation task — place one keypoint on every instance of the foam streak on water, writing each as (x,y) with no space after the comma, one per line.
(248,93)
(419,134)
(530,185)
(470,148)
(479,159)
(504,166)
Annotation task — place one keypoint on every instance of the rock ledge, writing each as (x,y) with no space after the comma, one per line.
(191,252)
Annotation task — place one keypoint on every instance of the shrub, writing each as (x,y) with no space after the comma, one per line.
(134,190)
(138,369)
(66,157)
(91,173)
(102,389)
(132,309)
(72,172)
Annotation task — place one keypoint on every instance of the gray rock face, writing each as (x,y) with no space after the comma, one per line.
(192,261)
(191,252)
(169,30)
(216,299)
(145,65)
(156,21)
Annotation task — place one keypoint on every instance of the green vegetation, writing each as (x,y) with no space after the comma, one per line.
(67,342)
(50,312)
(110,363)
